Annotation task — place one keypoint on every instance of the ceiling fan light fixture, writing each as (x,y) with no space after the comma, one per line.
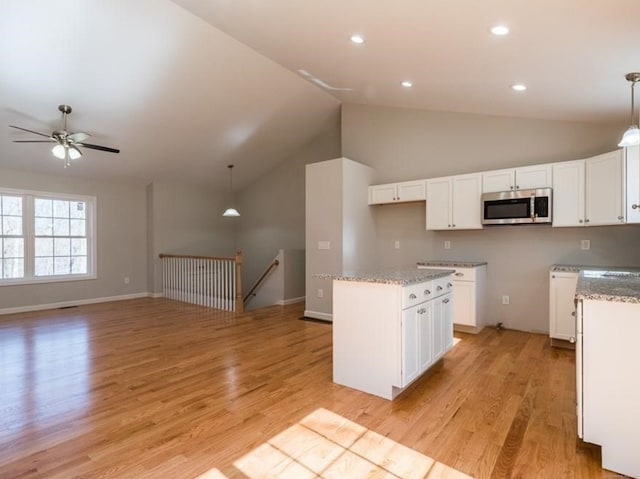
(631,137)
(231,212)
(74,152)
(59,151)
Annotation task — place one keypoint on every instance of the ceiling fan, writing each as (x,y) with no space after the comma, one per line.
(66,144)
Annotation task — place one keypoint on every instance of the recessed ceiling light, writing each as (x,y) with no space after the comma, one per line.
(357,39)
(500,30)
(519,87)
(407,84)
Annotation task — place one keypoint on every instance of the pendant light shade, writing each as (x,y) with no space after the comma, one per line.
(231,211)
(631,137)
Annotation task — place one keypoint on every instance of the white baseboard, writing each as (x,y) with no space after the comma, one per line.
(318,315)
(155,295)
(78,302)
(284,302)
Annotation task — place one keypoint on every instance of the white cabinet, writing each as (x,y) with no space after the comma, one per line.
(453,202)
(562,309)
(397,192)
(632,156)
(384,335)
(528,177)
(467,310)
(589,192)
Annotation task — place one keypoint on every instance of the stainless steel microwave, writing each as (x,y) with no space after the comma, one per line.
(517,207)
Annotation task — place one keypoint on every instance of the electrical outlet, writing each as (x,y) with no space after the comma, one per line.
(126,280)
(505,299)
(447,245)
(396,245)
(585,244)
(324,245)
(320,293)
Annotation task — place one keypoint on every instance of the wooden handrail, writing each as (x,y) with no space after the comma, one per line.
(266,272)
(189,256)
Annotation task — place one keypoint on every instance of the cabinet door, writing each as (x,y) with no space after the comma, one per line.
(466,204)
(438,327)
(425,330)
(439,204)
(410,345)
(568,193)
(380,194)
(464,303)
(447,322)
(537,176)
(604,191)
(410,191)
(633,183)
(562,311)
(498,180)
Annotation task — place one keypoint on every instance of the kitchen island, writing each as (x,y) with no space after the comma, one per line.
(607,359)
(389,327)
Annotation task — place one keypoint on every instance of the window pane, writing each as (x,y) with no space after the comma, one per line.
(12,225)
(62,247)
(78,228)
(44,246)
(79,265)
(62,265)
(44,227)
(78,246)
(13,248)
(78,209)
(43,207)
(13,268)
(12,205)
(60,209)
(44,266)
(60,227)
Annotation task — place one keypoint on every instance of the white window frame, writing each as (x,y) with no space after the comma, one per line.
(28,230)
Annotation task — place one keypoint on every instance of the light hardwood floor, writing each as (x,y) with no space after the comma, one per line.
(156,388)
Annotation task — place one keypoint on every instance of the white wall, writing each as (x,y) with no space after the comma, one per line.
(121,241)
(403,144)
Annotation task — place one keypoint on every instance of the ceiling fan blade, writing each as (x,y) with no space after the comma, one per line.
(98,147)
(78,137)
(32,141)
(29,131)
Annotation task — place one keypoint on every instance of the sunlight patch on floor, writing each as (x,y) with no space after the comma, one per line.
(326,445)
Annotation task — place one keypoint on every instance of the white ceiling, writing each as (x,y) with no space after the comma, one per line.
(185,92)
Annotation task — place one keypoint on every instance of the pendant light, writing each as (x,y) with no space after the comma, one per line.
(631,137)
(231,211)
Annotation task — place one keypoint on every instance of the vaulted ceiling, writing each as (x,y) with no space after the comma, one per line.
(184,88)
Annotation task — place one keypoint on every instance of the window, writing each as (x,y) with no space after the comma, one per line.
(46,237)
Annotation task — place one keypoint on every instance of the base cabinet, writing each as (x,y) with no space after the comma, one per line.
(562,310)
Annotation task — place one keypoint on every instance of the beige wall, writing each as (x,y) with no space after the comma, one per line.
(403,144)
(187,219)
(273,208)
(121,241)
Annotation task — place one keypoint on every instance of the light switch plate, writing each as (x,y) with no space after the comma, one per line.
(447,245)
(585,244)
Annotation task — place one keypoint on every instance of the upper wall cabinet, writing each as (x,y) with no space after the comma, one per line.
(528,177)
(633,184)
(397,192)
(589,192)
(453,202)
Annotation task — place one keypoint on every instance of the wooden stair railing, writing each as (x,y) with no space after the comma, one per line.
(214,281)
(262,277)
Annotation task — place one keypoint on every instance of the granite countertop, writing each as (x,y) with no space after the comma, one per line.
(452,264)
(614,284)
(389,276)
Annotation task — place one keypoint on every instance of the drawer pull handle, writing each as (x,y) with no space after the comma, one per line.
(439,288)
(449,285)
(427,292)
(459,274)
(445,300)
(635,206)
(412,296)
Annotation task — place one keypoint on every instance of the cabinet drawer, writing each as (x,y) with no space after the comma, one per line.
(417,293)
(442,286)
(464,274)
